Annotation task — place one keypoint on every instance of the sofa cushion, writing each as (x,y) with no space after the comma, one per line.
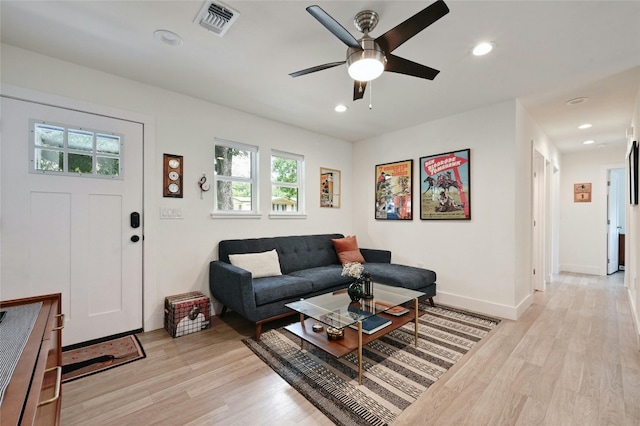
(265,264)
(400,275)
(323,277)
(283,287)
(348,250)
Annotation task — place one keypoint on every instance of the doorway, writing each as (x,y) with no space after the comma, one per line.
(615,220)
(72,232)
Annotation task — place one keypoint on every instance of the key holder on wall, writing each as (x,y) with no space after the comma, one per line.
(204,186)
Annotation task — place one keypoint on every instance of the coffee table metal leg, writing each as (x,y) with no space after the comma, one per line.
(359,352)
(302,325)
(415,327)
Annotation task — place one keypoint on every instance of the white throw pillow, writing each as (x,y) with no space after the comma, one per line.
(265,264)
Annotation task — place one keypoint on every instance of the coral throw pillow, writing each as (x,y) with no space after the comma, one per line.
(347,249)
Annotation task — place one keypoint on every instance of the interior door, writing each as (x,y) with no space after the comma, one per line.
(72,232)
(612,222)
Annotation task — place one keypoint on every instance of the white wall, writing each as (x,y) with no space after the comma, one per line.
(477,261)
(530,138)
(583,228)
(177,252)
(632,240)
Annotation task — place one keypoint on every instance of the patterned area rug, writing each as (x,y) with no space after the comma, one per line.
(100,356)
(395,372)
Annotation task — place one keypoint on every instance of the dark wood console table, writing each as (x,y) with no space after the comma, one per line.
(33,395)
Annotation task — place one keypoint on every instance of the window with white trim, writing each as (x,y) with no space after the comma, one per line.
(235,177)
(287,171)
(74,151)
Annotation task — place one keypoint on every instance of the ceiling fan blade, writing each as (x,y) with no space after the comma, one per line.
(358,89)
(393,38)
(404,66)
(316,68)
(332,25)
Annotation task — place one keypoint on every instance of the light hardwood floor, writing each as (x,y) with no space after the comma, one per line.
(571,359)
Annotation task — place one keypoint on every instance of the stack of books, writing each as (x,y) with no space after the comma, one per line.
(373,324)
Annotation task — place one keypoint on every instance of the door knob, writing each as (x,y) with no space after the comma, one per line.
(135,238)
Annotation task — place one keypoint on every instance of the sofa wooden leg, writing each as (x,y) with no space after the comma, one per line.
(431,302)
(224,311)
(258,331)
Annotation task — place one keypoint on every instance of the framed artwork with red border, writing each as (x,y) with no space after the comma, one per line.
(445,186)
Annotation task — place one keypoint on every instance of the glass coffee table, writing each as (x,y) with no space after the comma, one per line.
(336,310)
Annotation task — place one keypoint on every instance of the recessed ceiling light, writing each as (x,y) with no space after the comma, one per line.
(340,108)
(168,37)
(577,101)
(584,126)
(588,142)
(482,48)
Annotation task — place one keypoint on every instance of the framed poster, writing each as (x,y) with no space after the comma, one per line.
(393,191)
(329,188)
(581,192)
(445,186)
(633,174)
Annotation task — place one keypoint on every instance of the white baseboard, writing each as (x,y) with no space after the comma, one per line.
(580,269)
(634,318)
(484,307)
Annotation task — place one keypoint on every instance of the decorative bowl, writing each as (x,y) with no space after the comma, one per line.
(317,327)
(335,333)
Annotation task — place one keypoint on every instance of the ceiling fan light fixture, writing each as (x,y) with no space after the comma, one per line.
(589,142)
(366,69)
(340,108)
(366,64)
(584,126)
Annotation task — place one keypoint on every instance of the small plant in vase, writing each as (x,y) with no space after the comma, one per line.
(356,288)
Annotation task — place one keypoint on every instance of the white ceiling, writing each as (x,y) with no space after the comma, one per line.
(547,52)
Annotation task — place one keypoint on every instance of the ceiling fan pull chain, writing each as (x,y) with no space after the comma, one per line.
(371,94)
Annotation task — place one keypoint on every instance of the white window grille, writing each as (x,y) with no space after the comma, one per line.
(287,186)
(235,178)
(65,150)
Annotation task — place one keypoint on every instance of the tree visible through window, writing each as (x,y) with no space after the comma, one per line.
(75,152)
(235,178)
(286,182)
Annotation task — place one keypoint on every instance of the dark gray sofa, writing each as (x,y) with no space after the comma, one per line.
(309,265)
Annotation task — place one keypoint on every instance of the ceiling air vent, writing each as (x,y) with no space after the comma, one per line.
(216,17)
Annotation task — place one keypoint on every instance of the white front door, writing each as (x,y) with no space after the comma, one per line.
(70,231)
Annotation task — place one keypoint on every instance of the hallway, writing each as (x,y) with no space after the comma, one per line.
(571,359)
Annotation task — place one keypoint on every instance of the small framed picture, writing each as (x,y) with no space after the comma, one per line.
(581,192)
(329,188)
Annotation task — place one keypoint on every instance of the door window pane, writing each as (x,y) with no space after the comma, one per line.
(108,144)
(48,160)
(79,163)
(80,140)
(49,136)
(108,166)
